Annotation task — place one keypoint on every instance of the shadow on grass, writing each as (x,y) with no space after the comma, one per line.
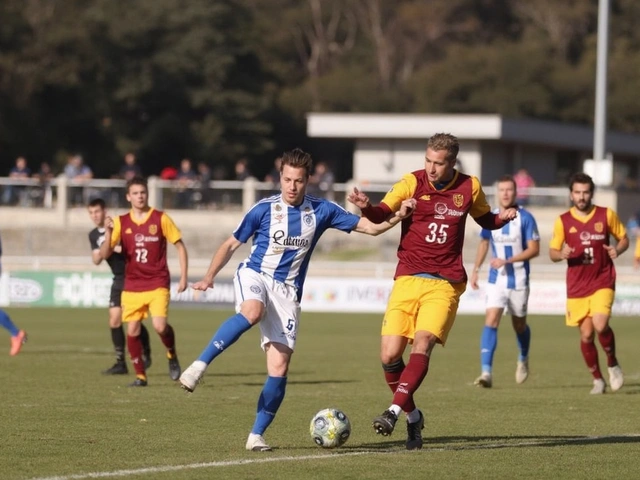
(500,442)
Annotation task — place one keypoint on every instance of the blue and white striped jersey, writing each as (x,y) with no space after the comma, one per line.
(284,236)
(508,241)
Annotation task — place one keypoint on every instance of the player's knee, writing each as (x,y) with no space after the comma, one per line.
(393,367)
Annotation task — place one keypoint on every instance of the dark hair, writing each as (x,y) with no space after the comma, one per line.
(137,180)
(98,202)
(297,158)
(445,141)
(582,178)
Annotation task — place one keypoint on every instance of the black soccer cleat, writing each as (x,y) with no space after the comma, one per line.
(138,382)
(118,368)
(414,434)
(385,423)
(174,368)
(146,360)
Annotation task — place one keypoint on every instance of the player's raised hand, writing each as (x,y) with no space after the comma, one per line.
(509,214)
(202,285)
(358,198)
(406,208)
(108,223)
(613,253)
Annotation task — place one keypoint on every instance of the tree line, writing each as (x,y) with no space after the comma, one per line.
(219,80)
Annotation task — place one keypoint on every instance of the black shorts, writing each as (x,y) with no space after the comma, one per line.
(116,293)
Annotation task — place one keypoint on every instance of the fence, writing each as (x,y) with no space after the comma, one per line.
(61,193)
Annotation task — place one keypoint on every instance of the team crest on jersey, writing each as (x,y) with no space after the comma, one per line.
(308,220)
(255,289)
(153,229)
(599,227)
(458,199)
(278,208)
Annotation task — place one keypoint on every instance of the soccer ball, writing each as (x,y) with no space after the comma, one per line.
(330,428)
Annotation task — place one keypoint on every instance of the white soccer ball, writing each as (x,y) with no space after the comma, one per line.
(330,428)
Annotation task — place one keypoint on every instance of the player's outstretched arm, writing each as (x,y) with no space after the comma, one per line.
(370,228)
(183,258)
(220,259)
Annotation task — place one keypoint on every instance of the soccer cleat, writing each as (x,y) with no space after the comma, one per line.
(174,368)
(598,387)
(616,378)
(146,360)
(138,382)
(17,342)
(414,433)
(385,423)
(522,371)
(118,368)
(192,376)
(255,443)
(484,380)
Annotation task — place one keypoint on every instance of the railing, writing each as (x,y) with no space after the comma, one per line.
(60,193)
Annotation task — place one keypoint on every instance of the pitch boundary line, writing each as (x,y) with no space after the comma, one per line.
(231,463)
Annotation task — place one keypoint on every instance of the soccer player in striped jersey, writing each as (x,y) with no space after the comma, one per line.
(581,236)
(285,229)
(430,276)
(512,247)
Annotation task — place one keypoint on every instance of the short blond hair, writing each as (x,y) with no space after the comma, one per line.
(445,141)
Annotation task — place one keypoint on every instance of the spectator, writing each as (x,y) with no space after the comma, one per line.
(274,174)
(130,168)
(77,172)
(13,193)
(168,173)
(203,194)
(43,194)
(242,171)
(321,182)
(524,182)
(186,180)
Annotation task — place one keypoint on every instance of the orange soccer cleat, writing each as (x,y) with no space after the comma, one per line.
(17,341)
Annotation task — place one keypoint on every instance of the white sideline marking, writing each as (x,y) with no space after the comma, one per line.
(231,463)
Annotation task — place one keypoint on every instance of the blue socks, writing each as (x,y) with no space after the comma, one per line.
(269,402)
(524,339)
(488,344)
(230,331)
(6,322)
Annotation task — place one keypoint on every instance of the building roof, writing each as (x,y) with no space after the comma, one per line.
(465,127)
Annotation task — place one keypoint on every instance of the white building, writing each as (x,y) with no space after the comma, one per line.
(389,145)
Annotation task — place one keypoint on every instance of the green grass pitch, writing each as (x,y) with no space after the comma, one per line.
(61,419)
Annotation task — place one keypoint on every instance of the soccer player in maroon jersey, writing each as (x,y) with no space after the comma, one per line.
(430,277)
(581,237)
(143,234)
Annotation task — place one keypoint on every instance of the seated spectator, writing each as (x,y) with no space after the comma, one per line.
(130,168)
(321,182)
(203,194)
(242,171)
(186,181)
(77,172)
(13,193)
(274,175)
(43,195)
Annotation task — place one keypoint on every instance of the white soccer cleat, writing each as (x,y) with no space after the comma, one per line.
(255,443)
(598,387)
(191,377)
(522,371)
(616,378)
(484,380)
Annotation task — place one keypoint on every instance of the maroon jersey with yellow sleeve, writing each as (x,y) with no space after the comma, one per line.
(589,268)
(432,237)
(144,246)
